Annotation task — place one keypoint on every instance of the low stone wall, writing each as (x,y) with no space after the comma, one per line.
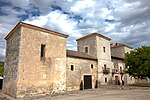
(147,80)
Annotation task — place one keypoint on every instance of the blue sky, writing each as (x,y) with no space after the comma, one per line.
(124,21)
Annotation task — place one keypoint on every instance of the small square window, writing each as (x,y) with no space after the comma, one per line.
(86,49)
(104,49)
(92,66)
(72,67)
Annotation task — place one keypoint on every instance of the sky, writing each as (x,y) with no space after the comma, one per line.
(124,21)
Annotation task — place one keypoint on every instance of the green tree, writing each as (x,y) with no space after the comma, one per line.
(138,62)
(1,70)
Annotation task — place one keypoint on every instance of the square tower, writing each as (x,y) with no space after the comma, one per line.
(35,61)
(98,46)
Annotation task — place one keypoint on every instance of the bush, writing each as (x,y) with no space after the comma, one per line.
(1,70)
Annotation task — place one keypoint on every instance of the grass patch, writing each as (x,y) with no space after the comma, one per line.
(141,85)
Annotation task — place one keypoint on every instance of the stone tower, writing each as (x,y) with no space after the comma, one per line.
(98,46)
(35,61)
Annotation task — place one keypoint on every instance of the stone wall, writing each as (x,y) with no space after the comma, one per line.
(104,58)
(10,78)
(96,45)
(116,65)
(89,42)
(36,76)
(118,52)
(81,67)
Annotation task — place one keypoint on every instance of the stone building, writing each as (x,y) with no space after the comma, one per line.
(37,62)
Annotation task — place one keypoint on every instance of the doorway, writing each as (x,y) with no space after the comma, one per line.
(116,80)
(87,81)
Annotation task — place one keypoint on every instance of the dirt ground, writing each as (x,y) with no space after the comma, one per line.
(95,94)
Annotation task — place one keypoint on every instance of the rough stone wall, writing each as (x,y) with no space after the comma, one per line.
(130,79)
(11,65)
(127,79)
(82,67)
(127,50)
(96,44)
(38,77)
(118,52)
(146,80)
(119,63)
(104,58)
(90,42)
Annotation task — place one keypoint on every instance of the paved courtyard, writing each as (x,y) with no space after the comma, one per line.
(95,94)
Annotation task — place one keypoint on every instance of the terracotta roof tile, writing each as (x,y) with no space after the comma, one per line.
(77,54)
(115,57)
(116,45)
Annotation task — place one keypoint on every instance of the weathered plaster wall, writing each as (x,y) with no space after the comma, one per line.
(82,67)
(38,77)
(11,65)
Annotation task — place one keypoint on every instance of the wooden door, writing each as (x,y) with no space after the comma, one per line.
(87,81)
(116,80)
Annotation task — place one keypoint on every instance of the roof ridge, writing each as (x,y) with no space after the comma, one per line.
(98,34)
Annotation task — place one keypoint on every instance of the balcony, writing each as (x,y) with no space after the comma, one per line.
(106,70)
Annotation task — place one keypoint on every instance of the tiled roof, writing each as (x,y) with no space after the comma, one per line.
(115,57)
(115,45)
(96,34)
(77,54)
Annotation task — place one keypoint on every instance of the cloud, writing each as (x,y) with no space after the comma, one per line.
(125,21)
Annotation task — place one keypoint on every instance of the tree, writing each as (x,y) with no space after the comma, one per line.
(1,70)
(138,62)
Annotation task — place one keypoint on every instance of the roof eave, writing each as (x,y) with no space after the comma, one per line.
(82,57)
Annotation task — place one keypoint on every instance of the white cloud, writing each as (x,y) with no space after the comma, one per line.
(82,5)
(77,18)
(39,21)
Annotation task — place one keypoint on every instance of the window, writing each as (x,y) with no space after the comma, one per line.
(104,49)
(120,68)
(86,49)
(104,66)
(92,66)
(105,80)
(72,67)
(42,51)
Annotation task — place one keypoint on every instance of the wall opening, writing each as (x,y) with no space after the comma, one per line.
(42,55)
(87,81)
